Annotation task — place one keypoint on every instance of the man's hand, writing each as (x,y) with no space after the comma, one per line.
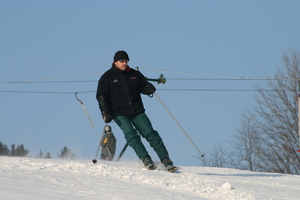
(106,116)
(149,89)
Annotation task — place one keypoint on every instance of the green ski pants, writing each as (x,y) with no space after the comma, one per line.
(142,123)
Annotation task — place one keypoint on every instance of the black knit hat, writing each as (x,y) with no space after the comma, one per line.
(119,55)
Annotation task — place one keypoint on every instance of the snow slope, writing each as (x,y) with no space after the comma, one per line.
(30,178)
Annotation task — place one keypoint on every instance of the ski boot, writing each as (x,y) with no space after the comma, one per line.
(149,164)
(167,162)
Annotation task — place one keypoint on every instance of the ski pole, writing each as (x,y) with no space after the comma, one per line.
(122,152)
(95,160)
(108,151)
(202,155)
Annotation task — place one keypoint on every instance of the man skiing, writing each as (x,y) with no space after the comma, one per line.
(108,144)
(119,97)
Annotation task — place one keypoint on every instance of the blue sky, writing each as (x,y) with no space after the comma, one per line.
(48,42)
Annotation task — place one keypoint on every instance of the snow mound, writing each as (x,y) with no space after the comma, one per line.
(29,178)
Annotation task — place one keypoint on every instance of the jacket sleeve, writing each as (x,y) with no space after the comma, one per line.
(102,95)
(103,141)
(147,88)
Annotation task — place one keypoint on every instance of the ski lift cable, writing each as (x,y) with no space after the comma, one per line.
(54,78)
(220,76)
(170,89)
(40,81)
(157,70)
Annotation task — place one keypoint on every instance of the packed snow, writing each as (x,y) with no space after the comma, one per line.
(57,179)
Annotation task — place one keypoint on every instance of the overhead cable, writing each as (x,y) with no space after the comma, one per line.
(182,90)
(222,76)
(44,79)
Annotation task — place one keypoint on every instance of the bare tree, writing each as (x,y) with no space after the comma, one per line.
(273,135)
(244,144)
(219,157)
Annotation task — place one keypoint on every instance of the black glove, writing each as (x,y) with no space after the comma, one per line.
(106,116)
(151,88)
(148,89)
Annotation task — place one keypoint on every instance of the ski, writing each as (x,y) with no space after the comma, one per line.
(171,169)
(152,167)
(162,167)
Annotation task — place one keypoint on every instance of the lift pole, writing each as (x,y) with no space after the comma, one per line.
(299,114)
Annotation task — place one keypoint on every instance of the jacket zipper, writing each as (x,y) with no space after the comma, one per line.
(127,92)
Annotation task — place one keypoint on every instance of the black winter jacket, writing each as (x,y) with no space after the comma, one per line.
(119,92)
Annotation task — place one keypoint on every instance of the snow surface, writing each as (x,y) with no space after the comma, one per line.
(31,178)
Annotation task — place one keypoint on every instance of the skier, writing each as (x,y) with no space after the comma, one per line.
(119,97)
(108,144)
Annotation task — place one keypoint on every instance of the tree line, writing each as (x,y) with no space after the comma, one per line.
(20,151)
(268,137)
